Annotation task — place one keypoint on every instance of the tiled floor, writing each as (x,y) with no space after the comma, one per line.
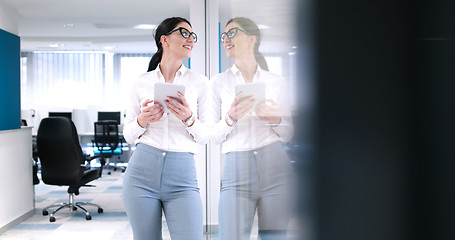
(112,224)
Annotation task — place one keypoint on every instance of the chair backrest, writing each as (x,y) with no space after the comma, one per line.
(106,135)
(60,152)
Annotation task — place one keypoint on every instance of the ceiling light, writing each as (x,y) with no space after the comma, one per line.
(56,45)
(262,26)
(145,26)
(69,25)
(109,47)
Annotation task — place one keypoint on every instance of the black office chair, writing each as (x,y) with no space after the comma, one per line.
(63,163)
(107,143)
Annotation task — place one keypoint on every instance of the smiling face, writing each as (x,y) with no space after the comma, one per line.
(176,44)
(239,45)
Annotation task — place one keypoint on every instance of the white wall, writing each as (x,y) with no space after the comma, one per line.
(9,19)
(16,183)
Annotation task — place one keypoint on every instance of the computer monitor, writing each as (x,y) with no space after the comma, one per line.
(109,116)
(61,114)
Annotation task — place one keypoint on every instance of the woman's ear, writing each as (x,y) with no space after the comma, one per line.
(163,40)
(253,40)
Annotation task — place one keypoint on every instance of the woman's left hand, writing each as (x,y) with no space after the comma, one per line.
(181,110)
(268,111)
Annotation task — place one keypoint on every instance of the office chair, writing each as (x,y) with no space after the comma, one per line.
(107,142)
(63,163)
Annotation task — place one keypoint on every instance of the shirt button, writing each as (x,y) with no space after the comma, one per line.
(255,153)
(164,154)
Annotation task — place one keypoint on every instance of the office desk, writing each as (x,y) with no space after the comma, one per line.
(16,183)
(86,141)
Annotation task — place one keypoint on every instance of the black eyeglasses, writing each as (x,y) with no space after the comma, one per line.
(231,33)
(185,33)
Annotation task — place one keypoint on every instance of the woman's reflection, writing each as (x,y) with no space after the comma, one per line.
(257,170)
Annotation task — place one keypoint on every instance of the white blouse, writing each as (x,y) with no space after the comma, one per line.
(249,132)
(169,133)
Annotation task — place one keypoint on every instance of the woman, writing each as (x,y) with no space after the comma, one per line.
(161,173)
(257,169)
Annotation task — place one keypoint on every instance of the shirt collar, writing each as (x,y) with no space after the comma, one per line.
(180,72)
(235,70)
(182,69)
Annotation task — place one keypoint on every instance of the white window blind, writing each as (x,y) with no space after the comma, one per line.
(78,79)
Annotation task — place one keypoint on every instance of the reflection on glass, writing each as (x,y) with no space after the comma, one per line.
(253,125)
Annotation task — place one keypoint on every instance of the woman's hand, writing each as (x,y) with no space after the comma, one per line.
(240,107)
(150,112)
(181,109)
(268,111)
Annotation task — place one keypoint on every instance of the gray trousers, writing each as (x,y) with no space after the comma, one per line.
(255,180)
(156,180)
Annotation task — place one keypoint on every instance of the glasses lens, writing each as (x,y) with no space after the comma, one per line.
(223,35)
(185,33)
(231,33)
(194,37)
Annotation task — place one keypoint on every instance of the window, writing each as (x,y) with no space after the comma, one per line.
(78,79)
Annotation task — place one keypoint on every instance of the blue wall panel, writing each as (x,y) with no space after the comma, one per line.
(10,93)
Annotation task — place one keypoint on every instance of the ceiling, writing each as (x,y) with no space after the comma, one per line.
(108,25)
(87,25)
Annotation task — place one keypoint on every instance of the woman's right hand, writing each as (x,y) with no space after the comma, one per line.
(150,112)
(240,106)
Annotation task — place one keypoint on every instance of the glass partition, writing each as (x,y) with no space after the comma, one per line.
(258,164)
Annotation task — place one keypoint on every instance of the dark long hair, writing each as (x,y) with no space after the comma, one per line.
(165,26)
(252,29)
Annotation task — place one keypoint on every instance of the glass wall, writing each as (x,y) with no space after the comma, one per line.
(86,79)
(257,184)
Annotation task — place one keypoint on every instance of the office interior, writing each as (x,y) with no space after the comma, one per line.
(383,113)
(81,67)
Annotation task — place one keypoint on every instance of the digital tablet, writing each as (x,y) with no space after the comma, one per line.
(255,89)
(163,90)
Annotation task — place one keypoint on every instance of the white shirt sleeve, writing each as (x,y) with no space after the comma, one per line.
(286,128)
(200,130)
(220,130)
(131,129)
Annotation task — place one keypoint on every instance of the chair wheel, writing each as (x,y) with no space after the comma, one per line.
(123,170)
(115,169)
(45,213)
(74,208)
(100,210)
(88,217)
(52,219)
(109,173)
